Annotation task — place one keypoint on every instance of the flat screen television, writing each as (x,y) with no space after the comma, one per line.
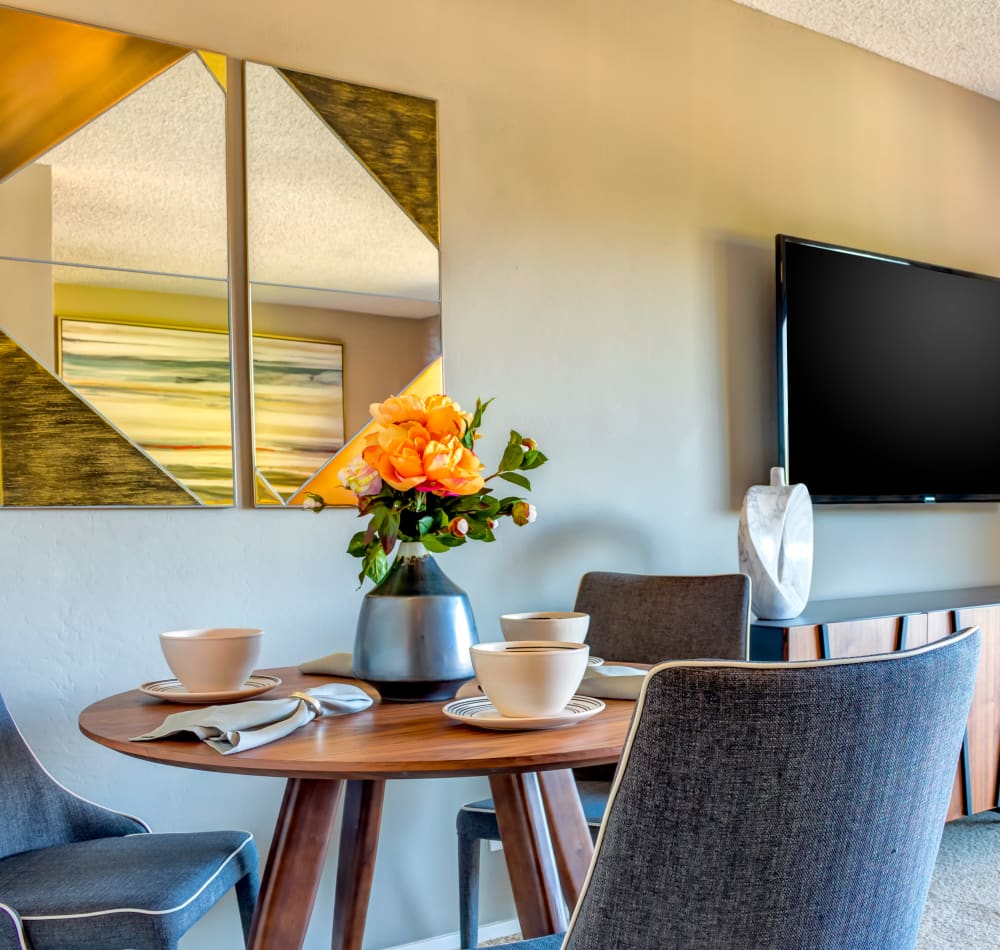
(889,376)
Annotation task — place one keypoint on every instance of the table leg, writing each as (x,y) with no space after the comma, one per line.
(568,829)
(528,852)
(356,864)
(294,864)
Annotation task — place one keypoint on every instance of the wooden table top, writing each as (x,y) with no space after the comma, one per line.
(387,740)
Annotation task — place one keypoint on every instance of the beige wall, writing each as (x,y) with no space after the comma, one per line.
(612,176)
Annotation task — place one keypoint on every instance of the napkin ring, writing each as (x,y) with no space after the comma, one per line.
(311,701)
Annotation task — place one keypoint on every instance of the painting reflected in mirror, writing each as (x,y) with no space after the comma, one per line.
(343,234)
(112,213)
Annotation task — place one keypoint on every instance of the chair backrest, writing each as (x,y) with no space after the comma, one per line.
(766,806)
(36,811)
(651,618)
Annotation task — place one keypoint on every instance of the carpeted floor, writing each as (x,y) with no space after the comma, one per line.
(963,906)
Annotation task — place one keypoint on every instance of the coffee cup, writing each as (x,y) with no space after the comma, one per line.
(529,679)
(565,625)
(212,659)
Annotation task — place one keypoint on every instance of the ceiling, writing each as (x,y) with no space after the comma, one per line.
(139,202)
(955,40)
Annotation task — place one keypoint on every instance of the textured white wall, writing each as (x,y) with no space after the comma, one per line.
(612,176)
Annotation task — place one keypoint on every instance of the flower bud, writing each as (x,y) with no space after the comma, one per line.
(523,513)
(359,477)
(458,527)
(530,444)
(313,502)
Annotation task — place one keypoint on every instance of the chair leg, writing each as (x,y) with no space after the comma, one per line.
(468,891)
(247,888)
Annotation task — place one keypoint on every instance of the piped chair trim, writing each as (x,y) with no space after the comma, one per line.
(69,791)
(15,919)
(140,910)
(783,666)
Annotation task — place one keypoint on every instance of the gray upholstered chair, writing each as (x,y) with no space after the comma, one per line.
(638,617)
(767,806)
(77,876)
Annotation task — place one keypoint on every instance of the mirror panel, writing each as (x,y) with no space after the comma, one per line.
(114,269)
(343,233)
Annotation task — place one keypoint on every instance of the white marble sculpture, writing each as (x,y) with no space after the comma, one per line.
(776,546)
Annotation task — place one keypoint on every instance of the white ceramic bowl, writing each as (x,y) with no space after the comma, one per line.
(568,626)
(212,659)
(529,679)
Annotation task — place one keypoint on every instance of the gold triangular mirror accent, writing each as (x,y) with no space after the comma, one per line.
(74,73)
(57,451)
(393,135)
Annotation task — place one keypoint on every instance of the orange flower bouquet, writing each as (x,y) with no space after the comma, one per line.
(419,479)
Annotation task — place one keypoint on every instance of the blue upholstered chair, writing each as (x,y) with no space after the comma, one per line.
(637,617)
(764,806)
(77,876)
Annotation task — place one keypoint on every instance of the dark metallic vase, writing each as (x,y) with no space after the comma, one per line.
(414,631)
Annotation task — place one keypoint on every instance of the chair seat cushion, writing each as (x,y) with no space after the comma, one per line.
(137,891)
(552,942)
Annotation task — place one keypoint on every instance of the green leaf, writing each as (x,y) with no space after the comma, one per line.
(425,524)
(469,436)
(516,479)
(480,531)
(433,544)
(358,544)
(533,458)
(513,456)
(449,541)
(376,564)
(389,532)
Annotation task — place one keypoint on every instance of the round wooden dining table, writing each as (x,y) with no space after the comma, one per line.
(547,845)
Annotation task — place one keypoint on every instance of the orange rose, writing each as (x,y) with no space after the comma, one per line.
(397,452)
(451,465)
(445,417)
(398,409)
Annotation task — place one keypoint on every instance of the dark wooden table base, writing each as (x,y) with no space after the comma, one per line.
(545,857)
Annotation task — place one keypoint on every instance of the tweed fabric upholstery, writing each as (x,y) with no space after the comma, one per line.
(642,618)
(36,812)
(76,876)
(138,890)
(772,807)
(779,807)
(552,942)
(648,618)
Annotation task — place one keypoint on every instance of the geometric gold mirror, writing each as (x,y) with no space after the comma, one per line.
(114,355)
(116,386)
(343,264)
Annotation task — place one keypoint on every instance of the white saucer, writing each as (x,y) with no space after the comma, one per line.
(594,661)
(479,711)
(172,691)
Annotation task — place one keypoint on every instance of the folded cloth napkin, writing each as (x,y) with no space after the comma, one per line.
(600,682)
(240,726)
(612,682)
(333,664)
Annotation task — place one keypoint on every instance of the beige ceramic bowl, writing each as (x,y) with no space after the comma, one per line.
(529,679)
(568,626)
(212,659)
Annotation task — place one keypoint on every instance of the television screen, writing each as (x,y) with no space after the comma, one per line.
(889,376)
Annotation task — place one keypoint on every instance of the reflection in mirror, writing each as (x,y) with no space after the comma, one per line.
(113,265)
(342,220)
